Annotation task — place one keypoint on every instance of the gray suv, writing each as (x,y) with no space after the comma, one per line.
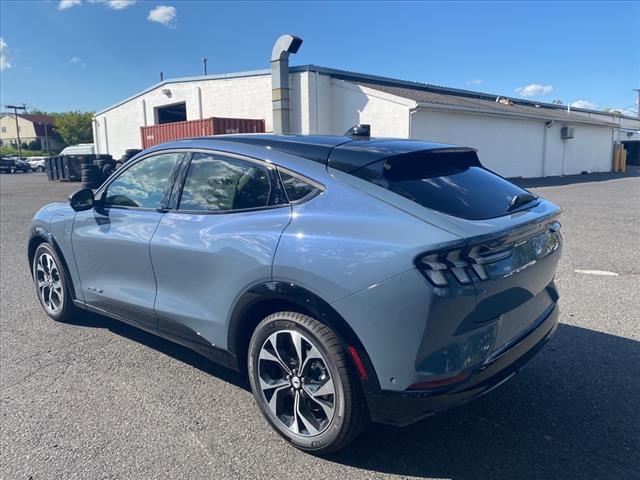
(354,279)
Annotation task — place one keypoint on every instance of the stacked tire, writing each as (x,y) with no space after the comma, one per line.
(90,176)
(106,165)
(129,154)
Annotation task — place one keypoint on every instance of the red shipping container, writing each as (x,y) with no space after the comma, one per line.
(155,134)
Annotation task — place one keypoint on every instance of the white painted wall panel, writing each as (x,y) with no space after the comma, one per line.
(509,146)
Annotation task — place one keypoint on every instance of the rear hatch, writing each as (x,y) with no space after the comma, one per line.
(512,238)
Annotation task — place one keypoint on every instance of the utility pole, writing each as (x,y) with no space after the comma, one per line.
(15,114)
(46,137)
(204,63)
(637,90)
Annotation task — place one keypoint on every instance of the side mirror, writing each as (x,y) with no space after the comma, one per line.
(82,200)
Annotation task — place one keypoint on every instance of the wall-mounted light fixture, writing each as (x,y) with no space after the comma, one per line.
(167,92)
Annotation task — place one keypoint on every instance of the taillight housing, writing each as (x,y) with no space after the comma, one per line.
(467,264)
(463,264)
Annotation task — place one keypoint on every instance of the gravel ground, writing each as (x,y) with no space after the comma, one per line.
(99,399)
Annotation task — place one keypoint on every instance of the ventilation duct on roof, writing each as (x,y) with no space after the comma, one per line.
(284,46)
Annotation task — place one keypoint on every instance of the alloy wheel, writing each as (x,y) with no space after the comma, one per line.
(296,383)
(49,283)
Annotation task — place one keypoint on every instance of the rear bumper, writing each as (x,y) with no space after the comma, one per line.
(403,408)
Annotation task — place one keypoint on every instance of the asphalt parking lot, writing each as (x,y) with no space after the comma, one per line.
(99,399)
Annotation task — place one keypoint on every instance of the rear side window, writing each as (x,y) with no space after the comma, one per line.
(452,182)
(217,183)
(295,187)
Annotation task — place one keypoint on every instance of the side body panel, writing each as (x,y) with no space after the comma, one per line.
(344,241)
(203,262)
(111,248)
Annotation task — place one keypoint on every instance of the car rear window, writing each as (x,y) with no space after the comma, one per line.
(449,181)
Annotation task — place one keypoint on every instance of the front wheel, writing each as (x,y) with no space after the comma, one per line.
(50,278)
(302,383)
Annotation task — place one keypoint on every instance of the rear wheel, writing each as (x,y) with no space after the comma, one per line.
(39,169)
(50,278)
(302,383)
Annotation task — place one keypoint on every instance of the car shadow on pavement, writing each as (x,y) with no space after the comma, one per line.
(632,171)
(172,349)
(573,412)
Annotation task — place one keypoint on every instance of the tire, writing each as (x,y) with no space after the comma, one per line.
(58,285)
(329,420)
(39,169)
(12,170)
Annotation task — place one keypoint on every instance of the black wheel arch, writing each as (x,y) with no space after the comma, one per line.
(266,298)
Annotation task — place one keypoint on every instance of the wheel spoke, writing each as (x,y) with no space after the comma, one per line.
(296,403)
(273,402)
(307,423)
(270,357)
(321,390)
(327,407)
(40,267)
(264,385)
(313,353)
(296,339)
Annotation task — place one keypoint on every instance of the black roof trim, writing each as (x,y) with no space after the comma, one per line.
(342,153)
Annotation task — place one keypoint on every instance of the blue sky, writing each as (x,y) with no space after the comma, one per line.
(87,55)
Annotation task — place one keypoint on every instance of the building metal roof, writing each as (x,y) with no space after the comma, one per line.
(423,93)
(429,99)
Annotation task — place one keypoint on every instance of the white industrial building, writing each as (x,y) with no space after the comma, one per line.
(514,137)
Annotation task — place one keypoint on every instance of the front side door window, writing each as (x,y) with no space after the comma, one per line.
(142,185)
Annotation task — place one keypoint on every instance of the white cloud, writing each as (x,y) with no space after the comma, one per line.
(112,4)
(64,4)
(534,90)
(475,81)
(4,54)
(120,4)
(164,15)
(584,104)
(77,61)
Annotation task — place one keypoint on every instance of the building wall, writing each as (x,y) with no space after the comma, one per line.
(8,129)
(590,150)
(509,146)
(515,147)
(351,104)
(320,104)
(242,97)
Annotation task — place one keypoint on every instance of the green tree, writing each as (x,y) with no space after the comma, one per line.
(74,127)
(71,128)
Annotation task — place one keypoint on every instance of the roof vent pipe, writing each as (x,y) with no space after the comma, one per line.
(285,45)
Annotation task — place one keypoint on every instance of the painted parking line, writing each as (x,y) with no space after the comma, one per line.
(604,273)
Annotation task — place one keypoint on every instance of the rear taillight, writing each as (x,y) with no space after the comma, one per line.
(461,264)
(467,264)
(439,266)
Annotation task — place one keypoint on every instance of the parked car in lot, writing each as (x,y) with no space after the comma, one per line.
(352,279)
(37,164)
(13,165)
